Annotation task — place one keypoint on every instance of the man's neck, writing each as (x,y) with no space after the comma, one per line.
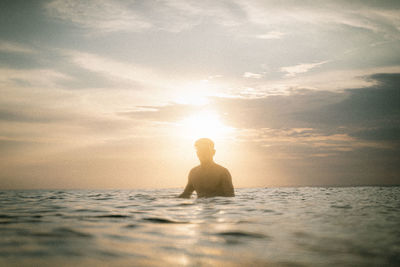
(206,163)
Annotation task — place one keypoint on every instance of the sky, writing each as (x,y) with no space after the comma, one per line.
(113,94)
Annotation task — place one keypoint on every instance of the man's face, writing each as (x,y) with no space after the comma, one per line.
(205,153)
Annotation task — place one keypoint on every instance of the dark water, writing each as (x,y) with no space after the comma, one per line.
(353,226)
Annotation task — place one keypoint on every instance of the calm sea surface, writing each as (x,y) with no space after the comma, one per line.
(308,226)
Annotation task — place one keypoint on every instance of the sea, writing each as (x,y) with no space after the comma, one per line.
(285,226)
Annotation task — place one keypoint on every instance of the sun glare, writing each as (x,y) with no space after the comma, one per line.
(204,124)
(197,92)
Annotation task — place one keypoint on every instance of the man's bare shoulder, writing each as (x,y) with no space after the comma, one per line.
(194,170)
(221,168)
(215,167)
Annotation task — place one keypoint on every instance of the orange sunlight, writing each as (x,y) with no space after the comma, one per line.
(205,123)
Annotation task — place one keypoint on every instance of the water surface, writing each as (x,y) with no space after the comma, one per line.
(307,226)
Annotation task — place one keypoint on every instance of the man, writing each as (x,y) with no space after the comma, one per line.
(208,179)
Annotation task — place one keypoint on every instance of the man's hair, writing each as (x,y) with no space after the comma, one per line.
(204,142)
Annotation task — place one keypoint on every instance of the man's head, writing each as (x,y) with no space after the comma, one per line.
(205,149)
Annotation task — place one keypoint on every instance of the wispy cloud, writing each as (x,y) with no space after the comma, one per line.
(368,16)
(171,16)
(301,143)
(115,69)
(31,77)
(103,15)
(11,47)
(335,80)
(271,35)
(252,75)
(305,123)
(301,68)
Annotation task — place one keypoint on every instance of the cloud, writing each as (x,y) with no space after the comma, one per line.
(371,107)
(307,137)
(31,77)
(167,113)
(334,80)
(358,117)
(178,15)
(30,114)
(351,136)
(51,118)
(172,16)
(271,35)
(391,134)
(304,143)
(11,47)
(252,75)
(103,15)
(132,57)
(301,68)
(117,70)
(369,16)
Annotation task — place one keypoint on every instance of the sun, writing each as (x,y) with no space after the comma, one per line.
(204,124)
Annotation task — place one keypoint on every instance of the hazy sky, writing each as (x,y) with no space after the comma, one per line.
(112,94)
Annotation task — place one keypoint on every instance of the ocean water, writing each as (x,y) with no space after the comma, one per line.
(306,226)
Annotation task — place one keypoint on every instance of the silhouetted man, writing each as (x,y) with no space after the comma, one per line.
(208,179)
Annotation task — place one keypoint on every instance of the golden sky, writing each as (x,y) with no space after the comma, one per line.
(113,94)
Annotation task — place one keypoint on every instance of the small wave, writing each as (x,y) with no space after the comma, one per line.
(63,232)
(8,219)
(5,216)
(142,196)
(342,206)
(31,221)
(241,234)
(55,197)
(95,195)
(113,216)
(267,210)
(160,220)
(67,232)
(131,226)
(87,210)
(185,204)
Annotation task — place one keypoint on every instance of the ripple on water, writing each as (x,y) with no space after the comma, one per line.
(131,226)
(186,204)
(88,210)
(58,232)
(342,206)
(241,234)
(261,224)
(268,211)
(160,220)
(113,216)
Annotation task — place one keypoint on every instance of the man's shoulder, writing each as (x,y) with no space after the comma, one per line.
(215,166)
(194,169)
(220,167)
